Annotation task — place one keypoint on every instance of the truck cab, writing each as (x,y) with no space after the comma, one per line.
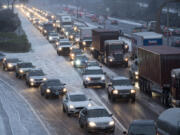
(114,53)
(175,87)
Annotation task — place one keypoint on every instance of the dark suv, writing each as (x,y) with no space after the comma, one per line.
(9,64)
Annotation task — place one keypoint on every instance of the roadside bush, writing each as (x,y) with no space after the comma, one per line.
(10,42)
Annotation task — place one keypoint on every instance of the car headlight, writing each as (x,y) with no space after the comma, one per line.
(103,78)
(111,123)
(45,31)
(84,43)
(71,48)
(72,54)
(71,106)
(136,73)
(57,43)
(50,38)
(88,78)
(10,65)
(67,33)
(126,59)
(133,91)
(115,91)
(92,124)
(92,48)
(59,48)
(77,39)
(71,37)
(126,46)
(44,79)
(78,62)
(89,105)
(32,80)
(48,91)
(21,71)
(64,90)
(111,59)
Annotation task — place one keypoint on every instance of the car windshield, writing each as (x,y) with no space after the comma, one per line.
(53,34)
(53,83)
(142,130)
(121,82)
(92,64)
(36,73)
(97,113)
(13,60)
(81,58)
(116,47)
(77,98)
(88,38)
(95,71)
(65,43)
(76,51)
(25,65)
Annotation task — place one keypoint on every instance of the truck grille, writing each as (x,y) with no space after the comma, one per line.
(95,79)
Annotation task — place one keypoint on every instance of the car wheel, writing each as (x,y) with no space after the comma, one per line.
(85,85)
(42,93)
(112,99)
(109,96)
(46,96)
(133,100)
(81,125)
(3,68)
(16,75)
(64,110)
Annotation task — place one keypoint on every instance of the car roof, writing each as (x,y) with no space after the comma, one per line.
(75,93)
(143,122)
(120,78)
(93,68)
(95,107)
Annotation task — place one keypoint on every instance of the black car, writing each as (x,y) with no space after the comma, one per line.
(52,87)
(2,56)
(92,63)
(35,77)
(120,87)
(96,119)
(64,48)
(142,127)
(9,64)
(80,61)
(22,68)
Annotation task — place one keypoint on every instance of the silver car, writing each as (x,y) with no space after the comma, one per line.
(74,102)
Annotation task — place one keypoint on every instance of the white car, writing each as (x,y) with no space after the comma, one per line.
(93,76)
(96,119)
(53,36)
(74,102)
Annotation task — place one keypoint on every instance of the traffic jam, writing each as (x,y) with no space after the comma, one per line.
(142,69)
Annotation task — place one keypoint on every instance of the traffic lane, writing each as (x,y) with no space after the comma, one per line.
(50,111)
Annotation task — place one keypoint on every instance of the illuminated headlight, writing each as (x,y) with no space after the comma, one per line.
(92,124)
(115,91)
(64,90)
(137,77)
(71,36)
(111,123)
(45,31)
(21,71)
(126,59)
(89,105)
(57,43)
(59,48)
(111,59)
(133,91)
(52,17)
(88,78)
(126,46)
(78,62)
(54,25)
(71,106)
(10,65)
(4,59)
(67,33)
(136,73)
(84,43)
(44,79)
(63,29)
(70,48)
(77,39)
(48,91)
(92,48)
(72,54)
(50,38)
(31,80)
(103,78)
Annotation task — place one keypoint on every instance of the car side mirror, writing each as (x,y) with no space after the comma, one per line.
(124,133)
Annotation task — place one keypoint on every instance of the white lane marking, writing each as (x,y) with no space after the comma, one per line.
(34,112)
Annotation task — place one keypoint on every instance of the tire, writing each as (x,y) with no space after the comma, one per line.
(109,96)
(58,53)
(46,96)
(112,99)
(85,86)
(80,124)
(64,110)
(42,94)
(3,68)
(133,100)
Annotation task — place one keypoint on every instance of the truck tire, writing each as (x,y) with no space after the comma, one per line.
(85,86)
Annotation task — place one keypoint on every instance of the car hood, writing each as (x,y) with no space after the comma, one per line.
(55,87)
(100,119)
(80,104)
(128,87)
(94,76)
(63,46)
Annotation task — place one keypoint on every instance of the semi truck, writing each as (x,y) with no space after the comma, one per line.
(159,72)
(107,48)
(85,37)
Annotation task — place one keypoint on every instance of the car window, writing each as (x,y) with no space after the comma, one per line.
(142,130)
(77,98)
(89,72)
(121,82)
(98,113)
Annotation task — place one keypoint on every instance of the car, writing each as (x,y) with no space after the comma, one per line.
(52,87)
(64,48)
(141,127)
(175,42)
(120,87)
(22,68)
(52,36)
(92,63)
(86,42)
(77,39)
(9,64)
(80,61)
(133,71)
(74,102)
(58,42)
(93,76)
(74,52)
(2,56)
(96,119)
(35,77)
